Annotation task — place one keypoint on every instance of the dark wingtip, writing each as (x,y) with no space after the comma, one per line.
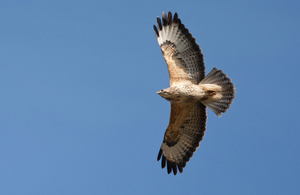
(180,168)
(179,23)
(170,17)
(159,23)
(156,31)
(183,164)
(175,17)
(164,15)
(163,162)
(174,166)
(165,22)
(169,166)
(159,154)
(165,19)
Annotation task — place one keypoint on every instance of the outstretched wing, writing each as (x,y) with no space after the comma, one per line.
(183,135)
(180,50)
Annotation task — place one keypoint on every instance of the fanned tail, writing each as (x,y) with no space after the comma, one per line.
(226,94)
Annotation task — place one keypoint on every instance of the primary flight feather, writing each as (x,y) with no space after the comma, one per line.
(190,92)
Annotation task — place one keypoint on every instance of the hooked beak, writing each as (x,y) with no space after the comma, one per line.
(159,92)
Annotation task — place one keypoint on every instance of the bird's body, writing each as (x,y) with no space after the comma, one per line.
(190,92)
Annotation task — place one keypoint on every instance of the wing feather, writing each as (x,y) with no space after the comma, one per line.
(183,135)
(180,50)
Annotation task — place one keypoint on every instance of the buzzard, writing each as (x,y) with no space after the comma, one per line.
(190,92)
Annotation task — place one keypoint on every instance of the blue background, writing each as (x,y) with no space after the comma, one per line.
(80,114)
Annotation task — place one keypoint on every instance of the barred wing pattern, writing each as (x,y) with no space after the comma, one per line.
(180,50)
(183,135)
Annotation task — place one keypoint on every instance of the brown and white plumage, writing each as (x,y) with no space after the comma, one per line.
(180,50)
(189,92)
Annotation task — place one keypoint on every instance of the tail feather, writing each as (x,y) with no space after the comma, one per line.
(227,92)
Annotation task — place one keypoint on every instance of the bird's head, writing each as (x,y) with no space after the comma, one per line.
(165,93)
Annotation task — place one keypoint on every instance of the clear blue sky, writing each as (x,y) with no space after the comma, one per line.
(80,114)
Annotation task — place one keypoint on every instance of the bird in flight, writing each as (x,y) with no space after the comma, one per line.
(190,92)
